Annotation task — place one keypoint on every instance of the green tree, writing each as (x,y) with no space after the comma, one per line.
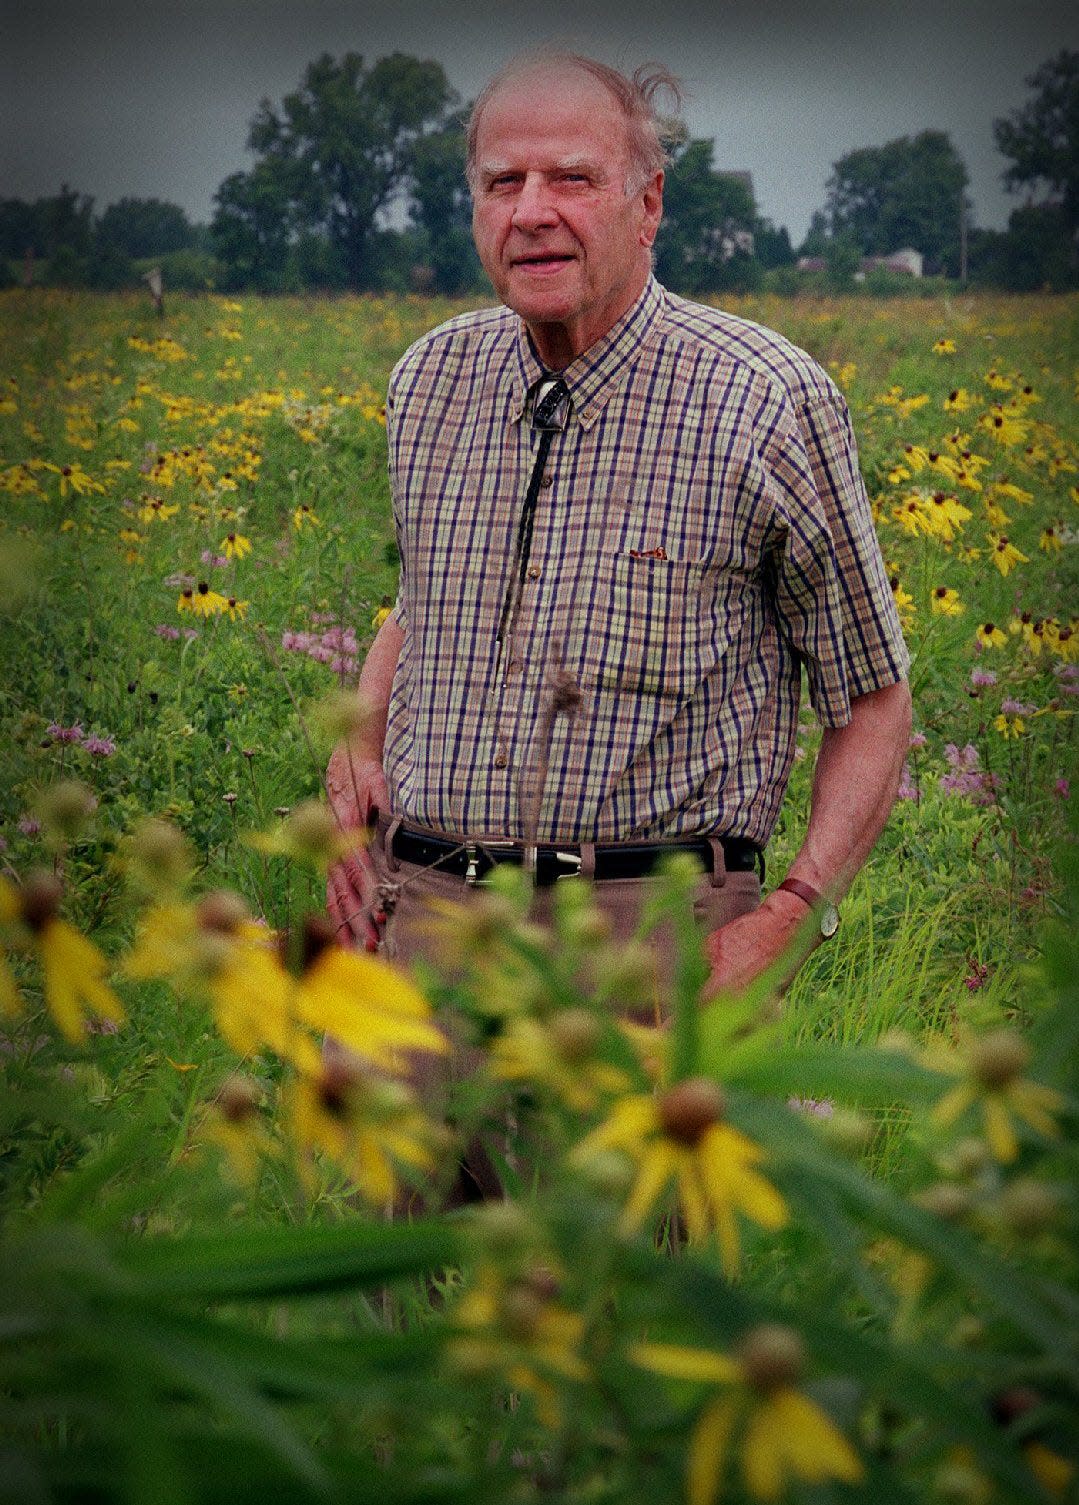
(908,192)
(335,154)
(1042,138)
(441,206)
(705,240)
(251,228)
(145,227)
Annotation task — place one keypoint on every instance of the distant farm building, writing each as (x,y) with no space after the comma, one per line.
(907,262)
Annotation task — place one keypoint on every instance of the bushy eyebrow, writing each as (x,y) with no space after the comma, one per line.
(489,171)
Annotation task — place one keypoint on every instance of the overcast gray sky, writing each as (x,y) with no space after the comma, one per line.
(153,97)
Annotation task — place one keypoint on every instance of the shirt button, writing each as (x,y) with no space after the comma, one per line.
(501,759)
(548,478)
(534,572)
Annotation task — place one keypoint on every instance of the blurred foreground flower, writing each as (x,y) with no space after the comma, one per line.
(681,1137)
(73,969)
(514,1325)
(783,1433)
(992,1071)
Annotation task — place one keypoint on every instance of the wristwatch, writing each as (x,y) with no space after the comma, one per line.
(826,911)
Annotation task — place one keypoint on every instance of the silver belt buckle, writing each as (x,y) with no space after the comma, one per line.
(472,852)
(571,857)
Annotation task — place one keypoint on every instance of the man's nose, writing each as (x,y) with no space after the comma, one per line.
(535,207)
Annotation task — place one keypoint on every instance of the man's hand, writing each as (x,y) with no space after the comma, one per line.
(744,948)
(357,791)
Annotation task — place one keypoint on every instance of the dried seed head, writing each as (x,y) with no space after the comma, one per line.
(969,1157)
(39,899)
(300,953)
(222,911)
(343,716)
(688,1109)
(575,1033)
(998,1058)
(159,854)
(772,1357)
(238,1100)
(312,831)
(1028,1207)
(65,809)
(945,1200)
(520,1310)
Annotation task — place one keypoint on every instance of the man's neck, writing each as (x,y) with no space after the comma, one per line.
(559,345)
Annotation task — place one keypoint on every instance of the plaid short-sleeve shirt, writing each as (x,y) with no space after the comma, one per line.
(701,534)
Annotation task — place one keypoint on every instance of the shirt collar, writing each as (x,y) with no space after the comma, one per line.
(599,371)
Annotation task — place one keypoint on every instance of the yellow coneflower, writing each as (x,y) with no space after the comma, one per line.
(304,517)
(236,546)
(990,635)
(992,1079)
(681,1139)
(783,1434)
(945,602)
(73,969)
(1050,541)
(1005,555)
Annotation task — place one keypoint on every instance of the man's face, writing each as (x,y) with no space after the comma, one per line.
(563,243)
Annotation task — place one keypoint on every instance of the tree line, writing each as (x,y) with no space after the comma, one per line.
(358,182)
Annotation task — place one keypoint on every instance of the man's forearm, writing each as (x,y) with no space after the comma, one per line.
(854,787)
(375,684)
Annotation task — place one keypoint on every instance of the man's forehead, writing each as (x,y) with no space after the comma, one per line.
(556,86)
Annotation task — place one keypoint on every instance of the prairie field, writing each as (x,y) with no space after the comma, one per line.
(196,547)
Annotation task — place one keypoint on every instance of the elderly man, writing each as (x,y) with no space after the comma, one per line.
(627,522)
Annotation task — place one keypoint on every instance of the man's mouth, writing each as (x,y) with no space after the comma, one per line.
(543,261)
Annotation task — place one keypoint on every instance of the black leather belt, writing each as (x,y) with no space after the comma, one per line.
(471,860)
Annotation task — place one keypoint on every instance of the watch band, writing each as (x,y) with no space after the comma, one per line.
(804,891)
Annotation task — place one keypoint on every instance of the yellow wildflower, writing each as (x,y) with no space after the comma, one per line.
(154,509)
(1010,727)
(236,610)
(515,1326)
(680,1137)
(990,636)
(945,602)
(236,546)
(559,1054)
(783,1433)
(73,969)
(1005,555)
(367,1126)
(202,601)
(944,347)
(1005,427)
(380,616)
(304,517)
(1050,541)
(991,1073)
(1012,492)
(958,400)
(73,478)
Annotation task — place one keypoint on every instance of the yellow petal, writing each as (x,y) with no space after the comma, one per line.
(678,1363)
(999,1131)
(761,1461)
(692,1197)
(657,1168)
(815,1449)
(708,1450)
(10,1001)
(953,1103)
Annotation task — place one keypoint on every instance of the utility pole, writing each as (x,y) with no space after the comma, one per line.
(963,207)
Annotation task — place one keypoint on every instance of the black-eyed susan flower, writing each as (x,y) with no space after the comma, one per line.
(680,1139)
(303,517)
(233,1123)
(958,400)
(944,347)
(559,1054)
(236,546)
(514,1325)
(367,1126)
(779,1433)
(945,602)
(1050,541)
(1005,555)
(989,635)
(991,1071)
(202,601)
(73,969)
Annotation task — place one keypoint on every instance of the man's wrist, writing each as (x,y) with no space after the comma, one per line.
(822,908)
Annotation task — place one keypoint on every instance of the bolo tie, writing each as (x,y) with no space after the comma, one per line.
(550,414)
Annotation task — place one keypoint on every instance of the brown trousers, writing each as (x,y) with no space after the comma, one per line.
(408,936)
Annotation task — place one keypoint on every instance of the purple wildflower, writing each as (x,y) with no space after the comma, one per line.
(60,733)
(100,747)
(216,561)
(908,789)
(190,634)
(982,678)
(816,1107)
(1062,789)
(170,634)
(918,739)
(1017,708)
(29,826)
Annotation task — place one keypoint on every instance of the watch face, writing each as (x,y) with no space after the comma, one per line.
(829,921)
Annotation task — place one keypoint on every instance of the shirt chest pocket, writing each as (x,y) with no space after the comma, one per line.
(643,626)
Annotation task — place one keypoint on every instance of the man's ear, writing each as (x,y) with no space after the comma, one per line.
(652,202)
